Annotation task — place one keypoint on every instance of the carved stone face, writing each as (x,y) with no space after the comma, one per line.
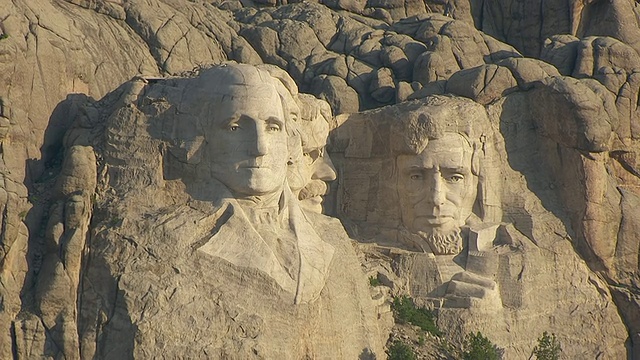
(248,143)
(436,188)
(312,168)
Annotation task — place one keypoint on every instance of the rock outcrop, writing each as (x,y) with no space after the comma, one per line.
(559,81)
(505,277)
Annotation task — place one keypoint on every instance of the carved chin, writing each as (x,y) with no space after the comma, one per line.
(313,204)
(261,185)
(254,186)
(251,181)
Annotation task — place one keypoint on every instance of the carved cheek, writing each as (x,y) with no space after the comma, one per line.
(467,198)
(278,148)
(413,193)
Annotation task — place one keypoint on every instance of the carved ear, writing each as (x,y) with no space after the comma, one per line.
(476,158)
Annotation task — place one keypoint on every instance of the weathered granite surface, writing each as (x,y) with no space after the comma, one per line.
(191,243)
(567,115)
(426,188)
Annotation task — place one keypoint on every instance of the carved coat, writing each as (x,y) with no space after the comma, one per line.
(185,290)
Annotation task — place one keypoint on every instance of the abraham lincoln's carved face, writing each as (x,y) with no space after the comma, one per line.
(437,188)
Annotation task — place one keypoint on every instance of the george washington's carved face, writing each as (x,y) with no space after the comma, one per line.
(247,142)
(436,187)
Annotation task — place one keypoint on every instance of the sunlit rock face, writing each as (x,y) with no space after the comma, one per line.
(221,260)
(445,208)
(90,157)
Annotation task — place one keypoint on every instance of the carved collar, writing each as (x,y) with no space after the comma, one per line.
(238,242)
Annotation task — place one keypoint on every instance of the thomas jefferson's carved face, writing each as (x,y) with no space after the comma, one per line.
(248,142)
(312,167)
(436,188)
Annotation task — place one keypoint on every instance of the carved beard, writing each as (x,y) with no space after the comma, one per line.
(443,244)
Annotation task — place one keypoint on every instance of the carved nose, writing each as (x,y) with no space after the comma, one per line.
(324,169)
(437,192)
(261,145)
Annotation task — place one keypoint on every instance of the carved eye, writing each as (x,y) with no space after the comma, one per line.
(273,127)
(415,177)
(308,159)
(313,155)
(455,178)
(234,127)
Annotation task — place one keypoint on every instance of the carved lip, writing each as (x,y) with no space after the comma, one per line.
(436,220)
(252,164)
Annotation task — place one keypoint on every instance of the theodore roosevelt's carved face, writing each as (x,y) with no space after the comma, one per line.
(436,187)
(247,141)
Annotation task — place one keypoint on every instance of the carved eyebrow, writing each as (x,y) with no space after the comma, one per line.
(458,169)
(415,167)
(226,121)
(273,119)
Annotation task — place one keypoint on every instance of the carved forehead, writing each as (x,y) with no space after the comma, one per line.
(314,133)
(229,82)
(237,80)
(316,121)
(314,109)
(439,117)
(451,151)
(448,142)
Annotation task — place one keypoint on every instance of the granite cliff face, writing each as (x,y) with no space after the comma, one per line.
(90,255)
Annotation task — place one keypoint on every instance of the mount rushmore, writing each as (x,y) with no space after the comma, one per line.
(223,179)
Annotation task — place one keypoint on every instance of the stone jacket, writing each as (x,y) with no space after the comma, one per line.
(195,282)
(238,241)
